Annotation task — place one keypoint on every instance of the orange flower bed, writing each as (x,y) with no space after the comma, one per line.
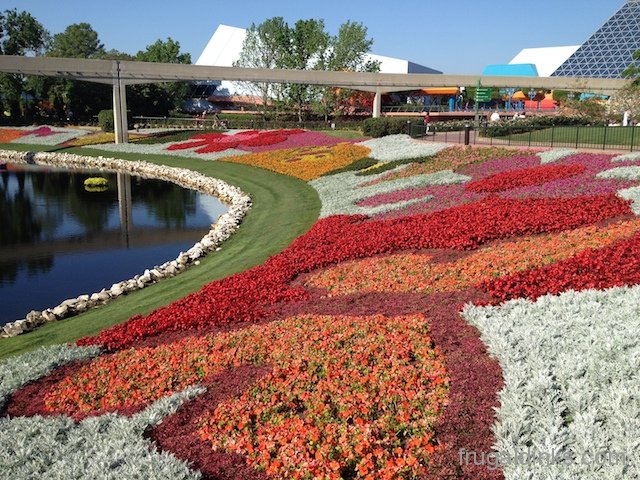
(305,163)
(8,135)
(345,394)
(415,272)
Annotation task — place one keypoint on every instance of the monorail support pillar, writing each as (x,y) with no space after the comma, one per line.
(377,104)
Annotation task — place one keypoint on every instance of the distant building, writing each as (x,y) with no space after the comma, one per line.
(605,54)
(546,59)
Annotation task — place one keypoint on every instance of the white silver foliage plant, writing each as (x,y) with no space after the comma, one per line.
(627,157)
(400,147)
(550,156)
(570,407)
(105,447)
(16,372)
(632,194)
(341,192)
(621,173)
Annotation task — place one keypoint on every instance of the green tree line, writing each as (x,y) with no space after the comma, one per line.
(270,44)
(32,98)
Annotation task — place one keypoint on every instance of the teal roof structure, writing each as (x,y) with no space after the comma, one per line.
(511,70)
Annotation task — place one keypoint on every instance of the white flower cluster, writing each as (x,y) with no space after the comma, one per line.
(555,154)
(627,157)
(161,149)
(622,173)
(106,447)
(571,366)
(16,372)
(237,201)
(400,147)
(339,193)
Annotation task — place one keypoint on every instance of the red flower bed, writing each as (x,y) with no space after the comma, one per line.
(524,177)
(250,296)
(612,266)
(217,142)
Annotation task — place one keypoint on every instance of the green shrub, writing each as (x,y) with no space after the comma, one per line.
(105,120)
(383,126)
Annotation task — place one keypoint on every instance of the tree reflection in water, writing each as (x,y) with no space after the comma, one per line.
(46,212)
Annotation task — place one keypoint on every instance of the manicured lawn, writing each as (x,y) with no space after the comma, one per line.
(283,208)
(576,137)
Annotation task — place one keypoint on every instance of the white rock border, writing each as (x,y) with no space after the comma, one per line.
(237,201)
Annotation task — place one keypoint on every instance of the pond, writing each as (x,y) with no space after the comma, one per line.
(60,237)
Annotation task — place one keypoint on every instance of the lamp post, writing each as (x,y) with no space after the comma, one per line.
(510,92)
(532,94)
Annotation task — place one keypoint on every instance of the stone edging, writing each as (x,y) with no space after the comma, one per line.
(238,202)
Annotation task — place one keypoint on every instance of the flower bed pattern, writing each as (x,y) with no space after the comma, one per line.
(337,239)
(305,163)
(345,387)
(381,377)
(589,182)
(527,177)
(416,272)
(218,142)
(43,135)
(451,158)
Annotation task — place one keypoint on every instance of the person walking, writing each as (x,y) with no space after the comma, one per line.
(427,122)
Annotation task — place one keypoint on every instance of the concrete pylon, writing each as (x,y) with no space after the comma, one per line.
(120,122)
(377,104)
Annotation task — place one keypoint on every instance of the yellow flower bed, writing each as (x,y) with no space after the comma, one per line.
(305,163)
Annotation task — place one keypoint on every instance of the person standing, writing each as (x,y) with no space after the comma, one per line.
(427,122)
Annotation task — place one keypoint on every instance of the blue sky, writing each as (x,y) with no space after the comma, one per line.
(453,36)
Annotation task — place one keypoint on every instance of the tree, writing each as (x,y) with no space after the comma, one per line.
(626,99)
(274,44)
(347,52)
(633,70)
(304,50)
(264,46)
(20,34)
(81,99)
(159,98)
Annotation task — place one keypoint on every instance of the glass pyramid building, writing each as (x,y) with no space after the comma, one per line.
(607,52)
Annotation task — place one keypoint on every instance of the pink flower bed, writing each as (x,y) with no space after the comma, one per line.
(218,142)
(257,141)
(447,196)
(42,132)
(302,139)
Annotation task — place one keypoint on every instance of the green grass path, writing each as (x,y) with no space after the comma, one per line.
(283,208)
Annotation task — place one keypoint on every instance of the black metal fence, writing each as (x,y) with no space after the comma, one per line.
(583,137)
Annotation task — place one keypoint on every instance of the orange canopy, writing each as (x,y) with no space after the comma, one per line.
(440,91)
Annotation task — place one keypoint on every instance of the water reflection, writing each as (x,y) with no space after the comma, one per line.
(52,223)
